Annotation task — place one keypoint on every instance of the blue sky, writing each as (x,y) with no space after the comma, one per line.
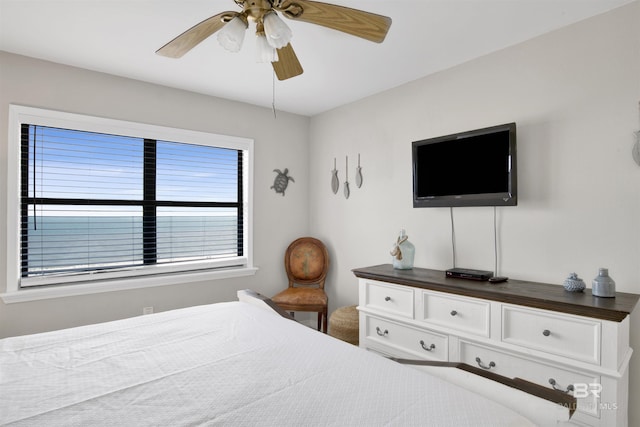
(76,164)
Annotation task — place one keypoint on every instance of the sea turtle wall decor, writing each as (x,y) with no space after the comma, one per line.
(282,181)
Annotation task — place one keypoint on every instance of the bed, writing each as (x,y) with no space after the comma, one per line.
(236,363)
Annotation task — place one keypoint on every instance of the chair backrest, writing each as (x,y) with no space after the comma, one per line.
(306,262)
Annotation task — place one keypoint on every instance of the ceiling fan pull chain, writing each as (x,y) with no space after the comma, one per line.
(273,97)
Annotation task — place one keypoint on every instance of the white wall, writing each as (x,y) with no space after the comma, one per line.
(574,95)
(279,143)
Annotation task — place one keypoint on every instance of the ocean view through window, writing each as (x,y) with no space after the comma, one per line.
(95,205)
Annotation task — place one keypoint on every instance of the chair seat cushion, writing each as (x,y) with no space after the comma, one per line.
(310,298)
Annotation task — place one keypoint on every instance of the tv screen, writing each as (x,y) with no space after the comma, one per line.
(473,168)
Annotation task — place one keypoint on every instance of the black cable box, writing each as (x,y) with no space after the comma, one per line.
(467,273)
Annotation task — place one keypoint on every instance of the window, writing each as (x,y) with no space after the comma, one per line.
(102,200)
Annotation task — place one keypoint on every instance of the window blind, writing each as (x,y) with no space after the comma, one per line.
(94,202)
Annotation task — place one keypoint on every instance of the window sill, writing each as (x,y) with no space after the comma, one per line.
(60,291)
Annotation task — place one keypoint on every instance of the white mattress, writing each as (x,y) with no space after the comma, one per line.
(222,364)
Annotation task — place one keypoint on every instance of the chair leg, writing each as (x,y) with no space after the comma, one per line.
(319,321)
(324,322)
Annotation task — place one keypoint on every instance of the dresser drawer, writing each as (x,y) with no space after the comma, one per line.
(459,313)
(563,335)
(392,299)
(417,342)
(512,366)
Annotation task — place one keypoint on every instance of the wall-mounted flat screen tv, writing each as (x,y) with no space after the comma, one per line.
(473,168)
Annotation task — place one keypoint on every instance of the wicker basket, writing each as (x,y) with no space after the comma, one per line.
(344,325)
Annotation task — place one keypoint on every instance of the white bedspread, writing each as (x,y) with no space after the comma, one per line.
(221,364)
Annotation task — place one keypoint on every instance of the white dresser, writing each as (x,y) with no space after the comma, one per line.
(573,342)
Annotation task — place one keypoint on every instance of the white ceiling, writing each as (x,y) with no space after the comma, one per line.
(120,37)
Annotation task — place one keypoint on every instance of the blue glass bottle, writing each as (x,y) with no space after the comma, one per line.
(603,285)
(403,252)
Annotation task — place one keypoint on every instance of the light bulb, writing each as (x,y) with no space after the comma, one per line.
(232,34)
(264,52)
(277,32)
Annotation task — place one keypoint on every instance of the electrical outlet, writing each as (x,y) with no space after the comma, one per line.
(147,310)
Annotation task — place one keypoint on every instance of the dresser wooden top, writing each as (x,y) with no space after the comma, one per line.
(531,294)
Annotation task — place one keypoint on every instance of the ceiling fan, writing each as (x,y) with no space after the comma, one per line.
(273,35)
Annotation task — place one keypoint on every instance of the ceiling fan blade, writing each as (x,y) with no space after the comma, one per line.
(358,23)
(194,35)
(288,65)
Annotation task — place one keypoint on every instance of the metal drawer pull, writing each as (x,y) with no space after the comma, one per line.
(453,312)
(546,332)
(479,362)
(381,333)
(553,384)
(430,348)
(387,298)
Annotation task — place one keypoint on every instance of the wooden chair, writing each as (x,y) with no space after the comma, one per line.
(306,262)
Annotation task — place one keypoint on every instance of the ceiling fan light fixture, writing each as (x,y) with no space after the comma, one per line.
(264,52)
(277,32)
(232,34)
(265,14)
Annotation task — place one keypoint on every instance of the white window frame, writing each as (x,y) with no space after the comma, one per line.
(166,275)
